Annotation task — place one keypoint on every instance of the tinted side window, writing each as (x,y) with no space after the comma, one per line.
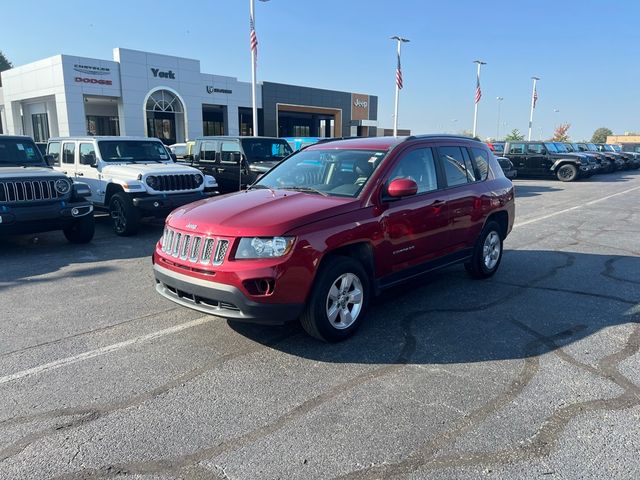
(517,149)
(53,149)
(87,153)
(208,152)
(536,148)
(455,168)
(230,152)
(418,165)
(481,159)
(68,153)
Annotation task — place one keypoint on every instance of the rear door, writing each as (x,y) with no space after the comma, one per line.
(415,227)
(207,158)
(230,155)
(518,157)
(537,159)
(462,193)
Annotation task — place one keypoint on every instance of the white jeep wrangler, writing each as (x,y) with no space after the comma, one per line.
(130,177)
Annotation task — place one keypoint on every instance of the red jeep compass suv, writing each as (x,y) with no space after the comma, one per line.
(332,225)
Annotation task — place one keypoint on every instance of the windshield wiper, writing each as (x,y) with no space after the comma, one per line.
(307,190)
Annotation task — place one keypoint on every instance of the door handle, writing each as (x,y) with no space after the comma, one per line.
(437,203)
(80,174)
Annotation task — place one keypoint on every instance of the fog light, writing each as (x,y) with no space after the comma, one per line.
(156,204)
(75,211)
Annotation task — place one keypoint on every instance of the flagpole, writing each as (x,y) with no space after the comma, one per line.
(477,100)
(533,105)
(253,71)
(400,41)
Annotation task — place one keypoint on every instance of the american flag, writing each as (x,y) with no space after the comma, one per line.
(478,90)
(535,97)
(399,74)
(253,39)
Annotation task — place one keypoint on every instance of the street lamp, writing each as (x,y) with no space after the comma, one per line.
(400,41)
(253,42)
(534,99)
(478,95)
(499,99)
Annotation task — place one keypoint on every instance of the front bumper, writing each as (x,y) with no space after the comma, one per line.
(166,202)
(32,218)
(221,299)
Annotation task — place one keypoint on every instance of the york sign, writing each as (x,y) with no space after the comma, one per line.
(94,81)
(157,73)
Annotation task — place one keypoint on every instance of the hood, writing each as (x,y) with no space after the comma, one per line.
(258,212)
(132,170)
(12,171)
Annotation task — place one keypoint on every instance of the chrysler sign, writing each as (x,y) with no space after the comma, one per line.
(91,70)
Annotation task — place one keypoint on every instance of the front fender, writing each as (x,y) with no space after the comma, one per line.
(564,160)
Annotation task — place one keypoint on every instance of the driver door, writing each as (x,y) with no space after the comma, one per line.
(88,174)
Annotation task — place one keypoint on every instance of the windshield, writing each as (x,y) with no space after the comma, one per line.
(133,151)
(551,147)
(265,150)
(608,148)
(20,152)
(616,148)
(592,147)
(338,172)
(561,148)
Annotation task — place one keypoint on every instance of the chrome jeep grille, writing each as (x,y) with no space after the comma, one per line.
(166,183)
(28,190)
(194,248)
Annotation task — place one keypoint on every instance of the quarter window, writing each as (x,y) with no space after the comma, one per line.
(68,153)
(419,166)
(481,159)
(53,149)
(455,167)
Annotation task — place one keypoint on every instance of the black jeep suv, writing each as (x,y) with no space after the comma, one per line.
(35,198)
(542,159)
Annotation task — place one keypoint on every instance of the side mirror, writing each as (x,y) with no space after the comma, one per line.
(543,151)
(174,157)
(88,159)
(49,160)
(402,187)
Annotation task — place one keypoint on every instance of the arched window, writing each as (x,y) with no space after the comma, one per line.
(165,117)
(164,101)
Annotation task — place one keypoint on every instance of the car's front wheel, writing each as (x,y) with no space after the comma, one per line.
(567,173)
(338,301)
(124,215)
(80,231)
(487,252)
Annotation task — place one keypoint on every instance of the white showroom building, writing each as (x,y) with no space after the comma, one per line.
(140,93)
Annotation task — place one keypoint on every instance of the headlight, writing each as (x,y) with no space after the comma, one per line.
(62,186)
(198,179)
(260,247)
(152,182)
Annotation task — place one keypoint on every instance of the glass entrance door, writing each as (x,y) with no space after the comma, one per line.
(162,125)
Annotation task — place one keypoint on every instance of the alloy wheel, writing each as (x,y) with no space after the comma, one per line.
(344,301)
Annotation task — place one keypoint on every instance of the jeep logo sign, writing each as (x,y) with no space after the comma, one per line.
(157,73)
(359,106)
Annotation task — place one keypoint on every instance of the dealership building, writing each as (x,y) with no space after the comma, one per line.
(141,93)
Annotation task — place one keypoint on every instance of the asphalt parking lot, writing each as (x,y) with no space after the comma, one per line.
(533,373)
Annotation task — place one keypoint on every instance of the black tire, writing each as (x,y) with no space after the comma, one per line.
(315,319)
(82,230)
(567,172)
(125,217)
(477,267)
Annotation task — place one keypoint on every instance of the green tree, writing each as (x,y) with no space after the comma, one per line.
(560,133)
(514,136)
(4,65)
(600,135)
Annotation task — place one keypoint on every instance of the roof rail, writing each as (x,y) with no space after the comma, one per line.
(442,135)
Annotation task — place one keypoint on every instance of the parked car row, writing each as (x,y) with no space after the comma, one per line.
(563,160)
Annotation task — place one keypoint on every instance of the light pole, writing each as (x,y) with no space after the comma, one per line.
(478,95)
(499,99)
(534,99)
(400,41)
(253,41)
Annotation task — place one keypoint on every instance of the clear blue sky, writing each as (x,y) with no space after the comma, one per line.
(586,52)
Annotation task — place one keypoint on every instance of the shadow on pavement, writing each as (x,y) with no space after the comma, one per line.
(537,302)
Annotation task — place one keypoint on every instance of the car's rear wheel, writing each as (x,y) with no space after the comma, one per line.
(81,231)
(487,252)
(567,172)
(124,215)
(338,301)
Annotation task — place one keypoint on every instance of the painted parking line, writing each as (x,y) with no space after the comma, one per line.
(63,362)
(560,212)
